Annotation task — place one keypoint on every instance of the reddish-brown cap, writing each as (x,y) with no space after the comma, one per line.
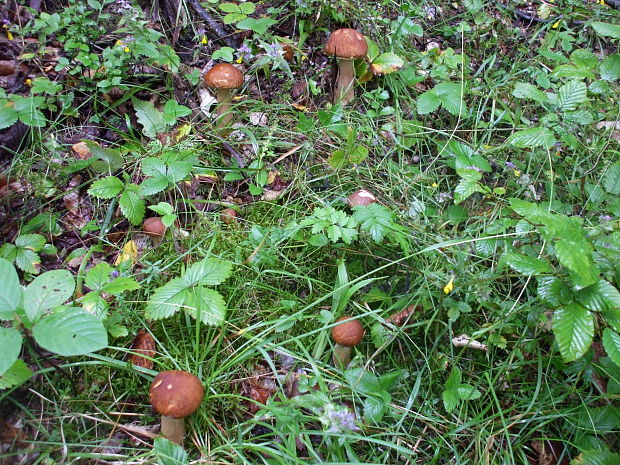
(346,43)
(223,76)
(228,215)
(176,393)
(154,227)
(349,333)
(361,197)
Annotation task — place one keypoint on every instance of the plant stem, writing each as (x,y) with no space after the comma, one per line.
(224,116)
(173,429)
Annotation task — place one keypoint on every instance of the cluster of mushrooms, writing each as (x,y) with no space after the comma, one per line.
(347,45)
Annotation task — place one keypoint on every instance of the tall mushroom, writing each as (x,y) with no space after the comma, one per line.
(346,335)
(223,78)
(175,394)
(346,45)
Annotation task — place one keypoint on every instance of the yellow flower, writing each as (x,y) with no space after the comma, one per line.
(126,50)
(240,59)
(119,42)
(434,184)
(203,41)
(449,287)
(517,173)
(9,35)
(556,24)
(28,82)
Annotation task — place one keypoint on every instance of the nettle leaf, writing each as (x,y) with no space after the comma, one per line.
(106,188)
(576,256)
(606,29)
(132,204)
(207,272)
(526,265)
(70,331)
(538,136)
(611,342)
(151,119)
(208,304)
(49,290)
(167,300)
(10,347)
(611,180)
(573,326)
(525,90)
(553,291)
(387,63)
(571,94)
(610,68)
(599,297)
(11,290)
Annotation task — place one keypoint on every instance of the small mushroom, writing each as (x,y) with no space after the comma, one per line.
(228,216)
(223,78)
(346,45)
(346,335)
(175,394)
(361,197)
(154,227)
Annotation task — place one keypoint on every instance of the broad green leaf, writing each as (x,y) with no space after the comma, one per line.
(162,208)
(599,296)
(532,137)
(18,374)
(611,180)
(468,392)
(154,185)
(465,189)
(70,331)
(610,68)
(612,318)
(611,342)
(525,90)
(596,457)
(173,111)
(169,453)
(104,160)
(98,276)
(454,379)
(167,300)
(450,399)
(132,206)
(8,117)
(51,289)
(30,241)
(230,8)
(428,102)
(374,409)
(95,304)
(527,265)
(573,326)
(451,96)
(120,285)
(577,257)
(10,291)
(207,272)
(151,119)
(106,188)
(584,59)
(10,346)
(571,94)
(363,381)
(27,260)
(259,26)
(386,63)
(607,29)
(232,18)
(208,304)
(553,291)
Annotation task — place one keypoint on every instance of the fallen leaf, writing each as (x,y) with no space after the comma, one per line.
(144,350)
(129,253)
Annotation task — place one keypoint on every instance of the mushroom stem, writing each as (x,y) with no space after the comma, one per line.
(345,82)
(224,115)
(173,429)
(342,356)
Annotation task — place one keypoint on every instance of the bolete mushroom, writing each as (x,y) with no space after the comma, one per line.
(346,335)
(223,78)
(175,394)
(154,227)
(346,45)
(228,216)
(361,197)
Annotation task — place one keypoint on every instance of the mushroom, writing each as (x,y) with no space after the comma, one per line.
(361,197)
(228,216)
(154,227)
(346,335)
(175,394)
(346,45)
(223,78)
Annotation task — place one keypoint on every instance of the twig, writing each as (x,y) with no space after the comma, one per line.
(236,155)
(213,24)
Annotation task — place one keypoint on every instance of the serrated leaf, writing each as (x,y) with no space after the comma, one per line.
(167,300)
(259,26)
(8,117)
(169,453)
(18,374)
(465,189)
(106,188)
(362,381)
(120,285)
(606,29)
(207,272)
(386,63)
(10,346)
(553,291)
(577,257)
(528,266)
(532,137)
(525,90)
(611,342)
(571,94)
(451,96)
(229,7)
(11,291)
(374,409)
(450,400)
(573,326)
(132,206)
(30,241)
(51,289)
(95,304)
(468,392)
(70,331)
(151,119)
(611,180)
(599,297)
(428,102)
(27,260)
(98,276)
(208,304)
(610,68)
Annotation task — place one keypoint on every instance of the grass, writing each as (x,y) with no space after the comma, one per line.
(280,295)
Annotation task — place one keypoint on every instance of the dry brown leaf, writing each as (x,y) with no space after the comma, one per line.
(144,350)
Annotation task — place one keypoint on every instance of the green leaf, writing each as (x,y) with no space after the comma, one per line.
(553,291)
(454,379)
(162,208)
(98,276)
(611,180)
(151,119)
(207,272)
(18,374)
(573,326)
(374,409)
(10,346)
(571,94)
(230,8)
(611,342)
(599,297)
(375,219)
(610,68)
(577,257)
(468,392)
(450,399)
(104,160)
(27,260)
(169,453)
(247,8)
(259,26)
(120,285)
(612,318)
(154,185)
(8,117)
(70,331)
(528,266)
(451,96)
(11,290)
(428,102)
(132,206)
(524,90)
(232,18)
(106,188)
(532,137)
(95,304)
(465,189)
(386,63)
(606,29)
(51,289)
(173,111)
(30,241)
(167,300)
(207,303)
(362,381)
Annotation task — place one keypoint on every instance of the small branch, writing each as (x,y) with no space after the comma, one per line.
(236,155)
(213,24)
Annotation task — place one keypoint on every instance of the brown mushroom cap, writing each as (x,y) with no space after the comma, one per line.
(176,393)
(348,334)
(154,227)
(223,76)
(346,43)
(361,197)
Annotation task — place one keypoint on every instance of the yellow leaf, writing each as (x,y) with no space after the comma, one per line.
(129,253)
(203,41)
(449,287)
(299,107)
